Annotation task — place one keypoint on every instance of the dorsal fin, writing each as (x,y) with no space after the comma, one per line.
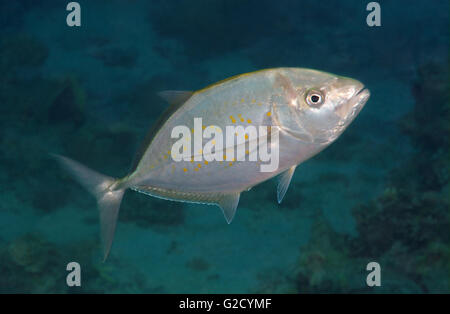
(174,106)
(175,97)
(283,183)
(228,203)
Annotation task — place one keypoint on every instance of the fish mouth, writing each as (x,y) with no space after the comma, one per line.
(349,109)
(359,99)
(362,91)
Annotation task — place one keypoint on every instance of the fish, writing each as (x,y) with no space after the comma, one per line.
(293,113)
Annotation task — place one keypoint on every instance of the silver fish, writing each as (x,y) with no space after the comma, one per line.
(305,109)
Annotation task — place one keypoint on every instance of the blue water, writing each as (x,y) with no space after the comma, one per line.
(379,193)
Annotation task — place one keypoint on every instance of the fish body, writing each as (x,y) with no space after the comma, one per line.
(245,100)
(294,113)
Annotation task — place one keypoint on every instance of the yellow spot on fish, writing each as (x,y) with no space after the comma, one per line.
(246,136)
(199,165)
(168,153)
(242,119)
(239,115)
(184,169)
(192,161)
(242,100)
(195,169)
(253,101)
(269,114)
(206,162)
(233,119)
(259,104)
(203,127)
(230,164)
(249,121)
(247,152)
(213,142)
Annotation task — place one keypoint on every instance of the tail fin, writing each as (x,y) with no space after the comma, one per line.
(108,199)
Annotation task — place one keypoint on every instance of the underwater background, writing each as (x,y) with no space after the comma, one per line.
(379,193)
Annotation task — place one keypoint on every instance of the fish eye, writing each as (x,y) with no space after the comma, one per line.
(314,98)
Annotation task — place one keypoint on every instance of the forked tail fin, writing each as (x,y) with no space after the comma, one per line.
(108,199)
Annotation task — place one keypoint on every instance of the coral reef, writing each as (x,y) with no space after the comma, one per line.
(31,264)
(323,265)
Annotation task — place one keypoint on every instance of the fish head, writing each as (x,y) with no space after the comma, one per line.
(317,106)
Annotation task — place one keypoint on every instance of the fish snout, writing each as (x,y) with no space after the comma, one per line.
(353,97)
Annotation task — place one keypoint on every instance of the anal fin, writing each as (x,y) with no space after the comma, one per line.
(228,203)
(284,180)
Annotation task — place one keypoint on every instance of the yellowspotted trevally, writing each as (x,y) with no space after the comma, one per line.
(213,144)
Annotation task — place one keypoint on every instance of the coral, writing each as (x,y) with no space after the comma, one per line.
(413,220)
(25,252)
(29,266)
(32,264)
(323,266)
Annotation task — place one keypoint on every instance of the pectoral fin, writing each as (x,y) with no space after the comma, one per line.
(283,183)
(175,97)
(228,203)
